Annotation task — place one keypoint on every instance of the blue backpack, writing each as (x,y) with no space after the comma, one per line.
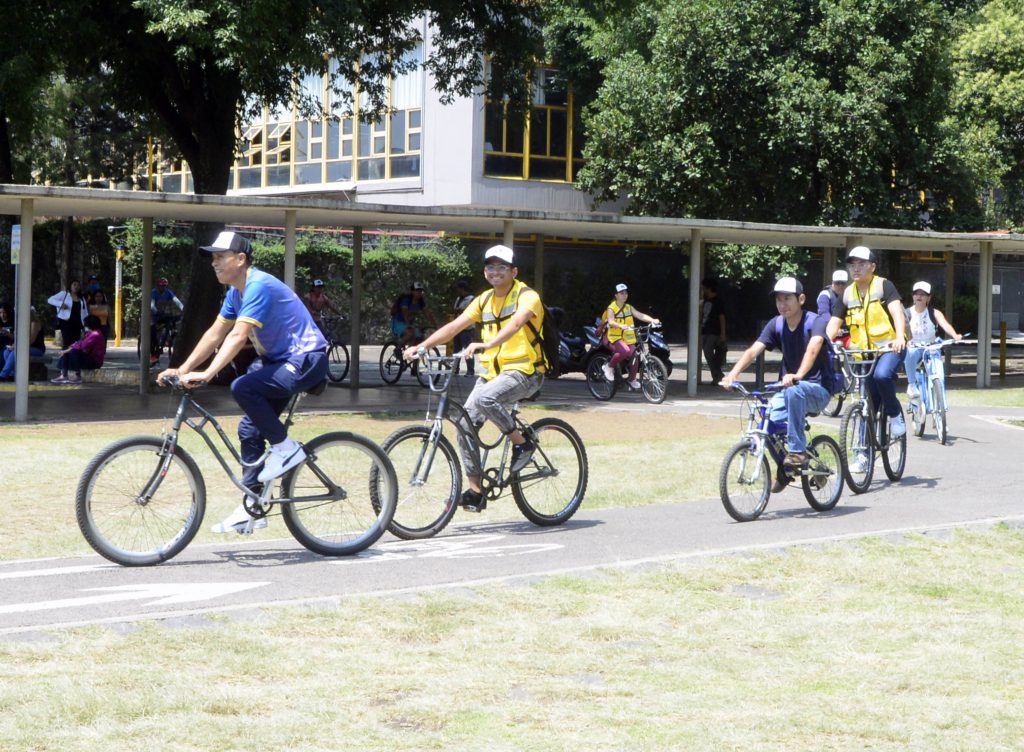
(831,374)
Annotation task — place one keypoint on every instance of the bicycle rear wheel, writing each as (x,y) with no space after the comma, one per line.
(941,425)
(653,380)
(427,500)
(744,483)
(337,362)
(391,365)
(599,386)
(551,487)
(855,445)
(894,453)
(918,415)
(135,512)
(424,376)
(342,498)
(823,479)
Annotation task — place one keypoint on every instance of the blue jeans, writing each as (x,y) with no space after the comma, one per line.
(489,401)
(792,405)
(8,360)
(883,382)
(263,394)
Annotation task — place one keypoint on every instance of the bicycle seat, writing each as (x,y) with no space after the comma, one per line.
(317,388)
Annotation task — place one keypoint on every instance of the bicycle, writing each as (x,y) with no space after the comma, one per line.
(864,429)
(930,378)
(835,405)
(141,500)
(337,352)
(745,480)
(165,331)
(548,490)
(393,365)
(651,371)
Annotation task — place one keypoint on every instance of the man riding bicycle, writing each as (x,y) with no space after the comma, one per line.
(405,315)
(316,301)
(260,308)
(807,378)
(165,309)
(872,310)
(512,368)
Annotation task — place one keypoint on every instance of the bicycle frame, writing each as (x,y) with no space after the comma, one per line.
(763,434)
(931,369)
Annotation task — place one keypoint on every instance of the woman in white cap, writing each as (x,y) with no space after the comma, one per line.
(619,335)
(924,326)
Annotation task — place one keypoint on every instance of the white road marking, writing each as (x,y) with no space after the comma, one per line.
(54,570)
(163,593)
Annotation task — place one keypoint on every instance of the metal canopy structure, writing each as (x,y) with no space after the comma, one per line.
(30,202)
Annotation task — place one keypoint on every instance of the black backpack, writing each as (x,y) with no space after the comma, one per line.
(549,337)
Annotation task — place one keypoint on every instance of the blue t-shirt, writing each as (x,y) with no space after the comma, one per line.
(406,301)
(793,346)
(282,326)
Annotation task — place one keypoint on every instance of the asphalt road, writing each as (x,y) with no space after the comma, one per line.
(975,480)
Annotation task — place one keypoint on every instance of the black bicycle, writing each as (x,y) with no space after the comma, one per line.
(393,365)
(164,333)
(337,351)
(651,372)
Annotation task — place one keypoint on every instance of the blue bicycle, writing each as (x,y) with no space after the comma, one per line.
(745,480)
(930,379)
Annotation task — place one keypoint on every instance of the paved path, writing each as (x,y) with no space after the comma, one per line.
(975,480)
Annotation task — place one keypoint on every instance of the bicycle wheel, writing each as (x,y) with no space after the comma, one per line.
(135,512)
(855,444)
(823,479)
(744,483)
(423,376)
(391,365)
(427,500)
(918,415)
(342,498)
(337,362)
(894,453)
(599,386)
(941,425)
(653,381)
(551,487)
(835,405)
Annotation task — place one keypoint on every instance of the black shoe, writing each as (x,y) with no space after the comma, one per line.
(473,501)
(521,454)
(780,483)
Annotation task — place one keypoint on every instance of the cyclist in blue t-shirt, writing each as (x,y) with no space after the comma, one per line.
(293,351)
(806,372)
(406,323)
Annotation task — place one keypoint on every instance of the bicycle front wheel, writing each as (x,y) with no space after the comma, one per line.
(551,487)
(823,479)
(391,365)
(654,381)
(939,399)
(855,444)
(423,375)
(744,483)
(337,362)
(138,507)
(342,498)
(429,482)
(894,455)
(599,386)
(918,414)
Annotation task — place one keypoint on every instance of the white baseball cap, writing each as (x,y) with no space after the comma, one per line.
(500,252)
(621,287)
(840,275)
(789,285)
(861,252)
(923,287)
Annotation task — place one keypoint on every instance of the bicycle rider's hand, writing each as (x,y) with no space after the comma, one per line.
(789,380)
(411,353)
(727,381)
(899,344)
(192,379)
(168,373)
(473,348)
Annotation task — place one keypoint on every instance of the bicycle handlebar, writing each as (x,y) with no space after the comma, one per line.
(775,386)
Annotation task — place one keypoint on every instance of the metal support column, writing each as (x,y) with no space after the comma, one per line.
(357,302)
(828,267)
(984,377)
(948,311)
(538,265)
(289,248)
(693,330)
(508,234)
(146,316)
(23,316)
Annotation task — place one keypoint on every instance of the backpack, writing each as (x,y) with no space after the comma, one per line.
(831,372)
(549,337)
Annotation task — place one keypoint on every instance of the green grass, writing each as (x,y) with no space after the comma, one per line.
(870,645)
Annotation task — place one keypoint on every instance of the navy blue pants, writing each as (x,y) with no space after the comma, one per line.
(263,395)
(883,382)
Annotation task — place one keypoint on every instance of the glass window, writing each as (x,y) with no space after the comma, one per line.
(547,169)
(514,139)
(316,129)
(364,138)
(249,177)
(346,126)
(346,147)
(398,133)
(414,142)
(503,167)
(339,171)
(559,120)
(539,131)
(333,137)
(494,120)
(414,118)
(371,169)
(307,174)
(278,175)
(172,183)
(407,88)
(301,140)
(405,167)
(316,150)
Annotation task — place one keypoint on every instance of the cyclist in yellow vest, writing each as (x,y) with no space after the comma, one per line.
(510,316)
(872,310)
(621,339)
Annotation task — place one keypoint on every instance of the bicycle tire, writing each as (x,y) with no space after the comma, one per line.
(835,405)
(854,436)
(750,489)
(337,362)
(363,478)
(939,418)
(599,386)
(423,376)
(122,527)
(653,381)
(918,415)
(391,363)
(425,507)
(551,487)
(823,479)
(894,454)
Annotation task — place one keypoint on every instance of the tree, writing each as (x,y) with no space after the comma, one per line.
(200,67)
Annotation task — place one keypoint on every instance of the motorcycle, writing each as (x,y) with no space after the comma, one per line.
(575,351)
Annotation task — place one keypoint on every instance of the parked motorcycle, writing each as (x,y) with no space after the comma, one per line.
(576,350)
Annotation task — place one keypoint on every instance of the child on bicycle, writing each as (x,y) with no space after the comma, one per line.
(511,362)
(259,307)
(924,323)
(619,335)
(807,381)
(316,301)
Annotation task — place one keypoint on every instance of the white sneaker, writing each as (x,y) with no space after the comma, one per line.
(897,427)
(282,458)
(240,522)
(634,384)
(609,374)
(913,392)
(859,464)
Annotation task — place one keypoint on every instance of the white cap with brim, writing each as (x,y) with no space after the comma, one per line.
(923,287)
(621,287)
(840,275)
(790,285)
(229,241)
(861,252)
(500,252)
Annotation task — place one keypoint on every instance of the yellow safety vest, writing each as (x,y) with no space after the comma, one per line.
(522,351)
(623,316)
(869,322)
